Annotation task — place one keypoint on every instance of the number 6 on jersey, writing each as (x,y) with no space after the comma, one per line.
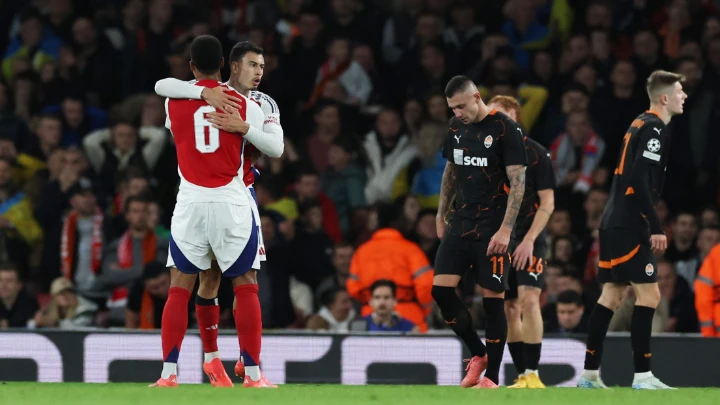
(205,141)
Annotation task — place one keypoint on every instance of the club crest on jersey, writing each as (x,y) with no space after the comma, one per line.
(649,269)
(488,141)
(653,145)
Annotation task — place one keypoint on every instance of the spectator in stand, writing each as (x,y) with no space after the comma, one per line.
(388,151)
(383,317)
(67,309)
(111,151)
(95,61)
(569,315)
(388,255)
(425,233)
(684,231)
(83,235)
(676,291)
(627,100)
(78,119)
(707,285)
(48,132)
(307,187)
(147,296)
(125,258)
(35,43)
(21,233)
(326,131)
(423,175)
(341,258)
(577,153)
(17,305)
(349,74)
(709,217)
(311,246)
(336,312)
(344,181)
(706,240)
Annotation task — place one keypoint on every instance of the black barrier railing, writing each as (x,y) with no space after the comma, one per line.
(358,358)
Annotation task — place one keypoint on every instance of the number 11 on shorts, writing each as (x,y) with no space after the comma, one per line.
(498,259)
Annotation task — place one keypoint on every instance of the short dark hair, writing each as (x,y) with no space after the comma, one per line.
(387,215)
(383,283)
(328,297)
(8,266)
(152,270)
(305,171)
(206,54)
(457,84)
(243,48)
(570,297)
(48,116)
(136,198)
(307,205)
(659,80)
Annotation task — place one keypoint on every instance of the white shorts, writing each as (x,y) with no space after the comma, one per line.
(261,244)
(202,232)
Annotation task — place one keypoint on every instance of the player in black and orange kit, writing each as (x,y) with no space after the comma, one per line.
(486,173)
(630,232)
(522,300)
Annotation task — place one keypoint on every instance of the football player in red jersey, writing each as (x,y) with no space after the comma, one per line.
(213,217)
(246,70)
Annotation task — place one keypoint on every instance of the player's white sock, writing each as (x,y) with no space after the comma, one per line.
(527,372)
(168,370)
(211,356)
(590,374)
(642,376)
(253,372)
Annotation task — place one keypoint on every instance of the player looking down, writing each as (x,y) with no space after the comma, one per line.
(522,300)
(486,173)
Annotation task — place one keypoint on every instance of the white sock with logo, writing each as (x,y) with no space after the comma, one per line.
(527,372)
(211,356)
(590,374)
(253,372)
(168,370)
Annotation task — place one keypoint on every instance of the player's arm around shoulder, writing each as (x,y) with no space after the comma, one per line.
(217,97)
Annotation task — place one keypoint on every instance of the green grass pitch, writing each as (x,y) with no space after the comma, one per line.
(13,393)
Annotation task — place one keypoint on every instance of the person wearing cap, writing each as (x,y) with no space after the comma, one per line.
(66,310)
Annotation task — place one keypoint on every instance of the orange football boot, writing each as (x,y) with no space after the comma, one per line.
(261,383)
(170,382)
(216,374)
(475,368)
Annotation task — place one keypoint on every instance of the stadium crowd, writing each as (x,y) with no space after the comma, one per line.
(88,172)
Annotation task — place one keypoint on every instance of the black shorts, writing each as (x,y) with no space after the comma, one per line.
(457,256)
(626,256)
(533,275)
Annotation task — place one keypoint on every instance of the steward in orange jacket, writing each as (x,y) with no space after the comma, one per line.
(388,255)
(707,294)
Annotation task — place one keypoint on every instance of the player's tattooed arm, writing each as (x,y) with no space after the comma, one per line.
(516,175)
(447,189)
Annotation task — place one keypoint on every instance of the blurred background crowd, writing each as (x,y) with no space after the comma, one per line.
(88,172)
